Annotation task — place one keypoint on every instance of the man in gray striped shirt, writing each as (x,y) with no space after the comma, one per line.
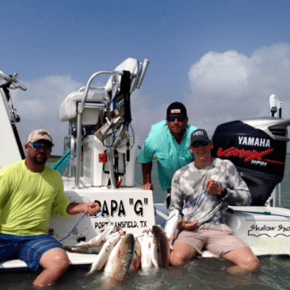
(207,186)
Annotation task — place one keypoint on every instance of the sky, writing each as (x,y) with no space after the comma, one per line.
(222,59)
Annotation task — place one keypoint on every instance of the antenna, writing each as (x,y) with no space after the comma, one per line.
(273,105)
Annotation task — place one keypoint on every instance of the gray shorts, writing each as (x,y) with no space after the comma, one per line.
(218,239)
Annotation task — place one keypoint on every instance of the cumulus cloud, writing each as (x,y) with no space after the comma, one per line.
(230,86)
(220,73)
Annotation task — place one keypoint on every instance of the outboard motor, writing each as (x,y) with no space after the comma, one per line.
(258,149)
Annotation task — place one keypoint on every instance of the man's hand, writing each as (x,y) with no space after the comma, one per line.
(147,186)
(187,225)
(213,187)
(91,208)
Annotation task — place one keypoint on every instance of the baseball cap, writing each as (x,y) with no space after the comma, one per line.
(39,134)
(198,135)
(176,108)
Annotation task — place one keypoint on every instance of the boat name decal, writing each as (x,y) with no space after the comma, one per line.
(242,153)
(252,141)
(269,231)
(120,209)
(117,207)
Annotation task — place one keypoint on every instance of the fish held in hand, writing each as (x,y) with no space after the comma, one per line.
(136,260)
(146,258)
(104,253)
(154,252)
(119,260)
(103,235)
(171,225)
(161,244)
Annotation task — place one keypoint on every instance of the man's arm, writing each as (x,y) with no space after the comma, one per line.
(236,192)
(145,157)
(176,194)
(146,170)
(89,208)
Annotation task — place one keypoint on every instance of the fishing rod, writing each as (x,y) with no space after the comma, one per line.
(100,213)
(187,205)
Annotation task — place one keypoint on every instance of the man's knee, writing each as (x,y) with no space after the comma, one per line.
(248,260)
(55,258)
(178,259)
(251,263)
(244,258)
(61,264)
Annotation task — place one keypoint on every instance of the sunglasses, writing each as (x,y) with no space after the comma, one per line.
(38,145)
(179,118)
(197,143)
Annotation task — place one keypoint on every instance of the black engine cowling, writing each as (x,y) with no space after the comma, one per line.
(258,149)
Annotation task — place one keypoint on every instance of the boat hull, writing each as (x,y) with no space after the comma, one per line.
(266,230)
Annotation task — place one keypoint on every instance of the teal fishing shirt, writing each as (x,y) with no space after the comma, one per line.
(170,155)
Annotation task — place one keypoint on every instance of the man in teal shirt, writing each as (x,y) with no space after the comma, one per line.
(169,140)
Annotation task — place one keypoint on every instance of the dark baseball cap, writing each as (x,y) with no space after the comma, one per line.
(176,108)
(198,135)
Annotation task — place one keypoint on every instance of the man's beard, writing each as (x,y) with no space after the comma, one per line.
(39,162)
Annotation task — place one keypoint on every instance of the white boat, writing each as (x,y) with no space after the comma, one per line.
(101,157)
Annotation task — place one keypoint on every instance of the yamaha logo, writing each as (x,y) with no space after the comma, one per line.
(252,141)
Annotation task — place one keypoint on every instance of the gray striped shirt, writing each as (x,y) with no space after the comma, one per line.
(188,190)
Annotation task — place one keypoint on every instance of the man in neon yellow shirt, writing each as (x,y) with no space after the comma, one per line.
(29,193)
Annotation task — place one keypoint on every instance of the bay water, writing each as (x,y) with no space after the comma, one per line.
(201,274)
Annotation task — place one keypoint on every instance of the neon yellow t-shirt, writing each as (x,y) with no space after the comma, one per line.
(28,199)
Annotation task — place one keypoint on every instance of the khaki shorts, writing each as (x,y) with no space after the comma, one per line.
(218,239)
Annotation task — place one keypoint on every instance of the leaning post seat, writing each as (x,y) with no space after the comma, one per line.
(68,108)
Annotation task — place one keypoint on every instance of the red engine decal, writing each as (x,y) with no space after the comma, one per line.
(242,153)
